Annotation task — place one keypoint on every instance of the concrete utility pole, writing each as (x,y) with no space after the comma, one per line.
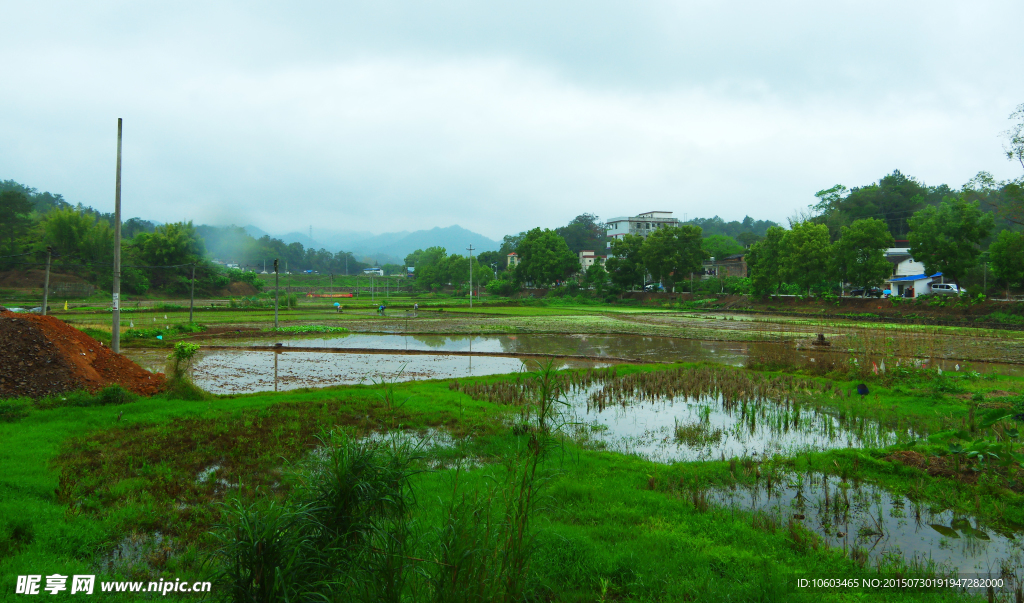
(277,288)
(192,294)
(46,281)
(470,249)
(115,331)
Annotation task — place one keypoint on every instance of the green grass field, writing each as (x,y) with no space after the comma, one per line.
(80,481)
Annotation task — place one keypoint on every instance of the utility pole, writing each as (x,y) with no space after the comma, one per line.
(46,281)
(277,288)
(192,294)
(115,331)
(470,249)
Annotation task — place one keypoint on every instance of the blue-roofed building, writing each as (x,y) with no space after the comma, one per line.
(913,285)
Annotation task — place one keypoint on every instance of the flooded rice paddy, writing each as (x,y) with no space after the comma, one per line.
(668,416)
(247,370)
(667,430)
(875,525)
(242,371)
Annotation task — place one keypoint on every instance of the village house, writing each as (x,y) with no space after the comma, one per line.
(642,224)
(588,259)
(730,265)
(908,276)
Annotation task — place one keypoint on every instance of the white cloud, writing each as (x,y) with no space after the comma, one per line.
(418,133)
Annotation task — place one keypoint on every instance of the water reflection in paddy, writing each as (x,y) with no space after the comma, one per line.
(643,348)
(615,346)
(688,429)
(242,371)
(872,523)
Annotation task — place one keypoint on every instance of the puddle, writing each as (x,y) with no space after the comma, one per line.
(877,525)
(438,448)
(709,428)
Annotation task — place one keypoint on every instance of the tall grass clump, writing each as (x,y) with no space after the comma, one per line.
(344,535)
(486,543)
(179,373)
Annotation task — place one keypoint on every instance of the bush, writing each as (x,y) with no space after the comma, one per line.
(242,276)
(111,394)
(115,394)
(9,412)
(502,287)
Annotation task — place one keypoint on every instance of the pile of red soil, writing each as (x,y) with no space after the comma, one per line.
(239,289)
(42,356)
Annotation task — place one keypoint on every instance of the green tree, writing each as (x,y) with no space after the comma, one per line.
(748,238)
(673,253)
(492,258)
(67,230)
(892,199)
(1007,254)
(625,264)
(545,258)
(765,261)
(720,246)
(15,208)
(584,232)
(455,270)
(429,265)
(1014,148)
(946,238)
(807,250)
(859,254)
(171,244)
(510,243)
(596,277)
(830,208)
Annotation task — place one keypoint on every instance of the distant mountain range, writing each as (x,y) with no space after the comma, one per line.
(389,247)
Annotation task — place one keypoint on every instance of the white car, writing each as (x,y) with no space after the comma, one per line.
(945,289)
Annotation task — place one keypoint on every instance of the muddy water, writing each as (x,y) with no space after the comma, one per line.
(617,346)
(635,347)
(240,371)
(687,429)
(879,523)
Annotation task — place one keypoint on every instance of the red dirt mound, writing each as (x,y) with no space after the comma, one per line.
(43,356)
(237,289)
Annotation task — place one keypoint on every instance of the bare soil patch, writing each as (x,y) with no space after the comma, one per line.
(238,289)
(43,356)
(34,279)
(935,466)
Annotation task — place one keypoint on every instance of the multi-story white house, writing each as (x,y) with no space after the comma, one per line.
(641,224)
(588,259)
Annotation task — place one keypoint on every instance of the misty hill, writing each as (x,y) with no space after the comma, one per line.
(332,240)
(453,238)
(392,246)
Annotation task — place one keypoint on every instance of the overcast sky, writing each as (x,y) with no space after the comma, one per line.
(498,116)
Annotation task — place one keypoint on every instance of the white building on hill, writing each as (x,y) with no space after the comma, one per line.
(641,224)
